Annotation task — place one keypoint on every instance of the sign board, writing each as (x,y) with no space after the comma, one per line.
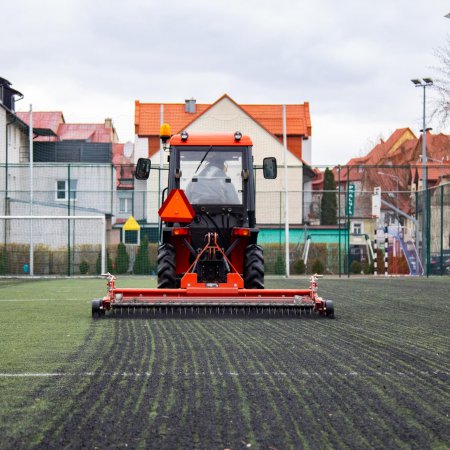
(351,199)
(376,202)
(130,231)
(131,225)
(176,208)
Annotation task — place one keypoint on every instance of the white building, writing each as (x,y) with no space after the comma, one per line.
(264,125)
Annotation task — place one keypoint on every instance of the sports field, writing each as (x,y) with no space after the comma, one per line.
(377,376)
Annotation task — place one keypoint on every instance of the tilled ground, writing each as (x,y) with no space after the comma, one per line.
(375,377)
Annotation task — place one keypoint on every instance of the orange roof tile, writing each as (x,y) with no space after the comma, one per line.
(317,182)
(49,120)
(94,132)
(124,166)
(44,119)
(147,117)
(435,171)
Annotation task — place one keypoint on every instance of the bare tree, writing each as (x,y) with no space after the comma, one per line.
(441,86)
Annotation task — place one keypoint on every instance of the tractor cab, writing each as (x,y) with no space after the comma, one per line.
(216,174)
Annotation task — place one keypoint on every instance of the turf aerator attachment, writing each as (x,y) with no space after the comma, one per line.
(218,299)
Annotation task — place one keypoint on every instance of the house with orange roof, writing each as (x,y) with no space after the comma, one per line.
(14,144)
(263,123)
(98,163)
(395,166)
(377,168)
(78,168)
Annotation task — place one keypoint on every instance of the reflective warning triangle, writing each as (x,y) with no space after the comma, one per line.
(131,224)
(176,208)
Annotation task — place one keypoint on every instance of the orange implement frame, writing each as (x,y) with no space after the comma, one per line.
(202,295)
(231,294)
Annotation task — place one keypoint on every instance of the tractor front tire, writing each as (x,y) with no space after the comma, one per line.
(166,267)
(254,267)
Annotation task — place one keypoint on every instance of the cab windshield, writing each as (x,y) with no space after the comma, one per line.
(212,175)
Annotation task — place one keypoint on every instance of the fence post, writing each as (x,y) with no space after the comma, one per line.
(279,227)
(30,138)
(386,251)
(347,210)
(339,219)
(442,229)
(375,259)
(68,220)
(112,189)
(428,230)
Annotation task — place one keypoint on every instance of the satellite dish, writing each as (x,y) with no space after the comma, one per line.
(128,149)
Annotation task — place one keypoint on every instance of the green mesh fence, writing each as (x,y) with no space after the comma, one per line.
(343,245)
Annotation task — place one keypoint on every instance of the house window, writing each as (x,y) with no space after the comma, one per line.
(125,203)
(62,187)
(357,228)
(131,237)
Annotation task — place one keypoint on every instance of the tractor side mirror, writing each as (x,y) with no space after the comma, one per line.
(270,168)
(142,169)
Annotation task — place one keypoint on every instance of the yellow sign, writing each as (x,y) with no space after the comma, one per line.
(131,224)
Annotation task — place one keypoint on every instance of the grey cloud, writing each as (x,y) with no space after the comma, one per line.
(352,60)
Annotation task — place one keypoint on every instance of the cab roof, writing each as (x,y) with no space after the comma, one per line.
(224,139)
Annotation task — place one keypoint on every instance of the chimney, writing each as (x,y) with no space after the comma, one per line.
(190,106)
(108,123)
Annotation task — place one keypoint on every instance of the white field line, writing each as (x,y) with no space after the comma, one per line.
(41,300)
(365,374)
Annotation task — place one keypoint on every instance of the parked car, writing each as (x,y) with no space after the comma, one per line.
(435,263)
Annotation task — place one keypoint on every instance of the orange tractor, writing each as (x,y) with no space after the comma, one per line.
(209,259)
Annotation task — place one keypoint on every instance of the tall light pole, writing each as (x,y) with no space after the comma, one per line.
(424,83)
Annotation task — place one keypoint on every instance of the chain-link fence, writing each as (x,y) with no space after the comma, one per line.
(369,219)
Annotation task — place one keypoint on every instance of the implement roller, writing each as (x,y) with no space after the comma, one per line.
(209,261)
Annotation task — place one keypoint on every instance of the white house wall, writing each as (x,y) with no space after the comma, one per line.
(95,196)
(18,148)
(140,148)
(2,137)
(306,151)
(155,186)
(94,190)
(225,116)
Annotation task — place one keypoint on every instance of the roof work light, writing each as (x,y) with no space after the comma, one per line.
(165,132)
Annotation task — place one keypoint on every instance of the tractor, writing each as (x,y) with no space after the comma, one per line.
(208,256)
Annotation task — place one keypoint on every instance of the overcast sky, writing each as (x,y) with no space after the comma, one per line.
(351,59)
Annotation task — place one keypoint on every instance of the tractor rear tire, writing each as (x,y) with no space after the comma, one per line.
(97,312)
(329,309)
(167,278)
(254,267)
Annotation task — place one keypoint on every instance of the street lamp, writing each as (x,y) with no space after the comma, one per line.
(424,83)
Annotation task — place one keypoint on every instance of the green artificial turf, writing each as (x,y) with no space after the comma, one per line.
(375,377)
